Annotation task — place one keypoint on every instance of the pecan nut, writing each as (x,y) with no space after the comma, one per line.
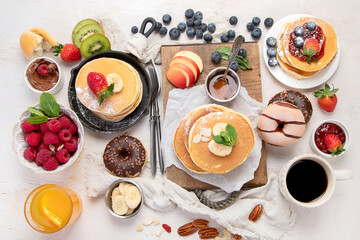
(256,213)
(200,223)
(237,237)
(208,233)
(186,229)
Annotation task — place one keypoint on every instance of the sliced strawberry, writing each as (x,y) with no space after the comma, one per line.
(68,52)
(98,85)
(327,99)
(310,48)
(334,144)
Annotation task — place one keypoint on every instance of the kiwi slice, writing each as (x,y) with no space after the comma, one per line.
(93,44)
(81,24)
(86,31)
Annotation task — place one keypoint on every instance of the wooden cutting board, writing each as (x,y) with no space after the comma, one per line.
(250,79)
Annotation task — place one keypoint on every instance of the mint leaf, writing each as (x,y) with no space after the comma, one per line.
(220,140)
(37,119)
(226,136)
(35,111)
(225,54)
(232,133)
(49,105)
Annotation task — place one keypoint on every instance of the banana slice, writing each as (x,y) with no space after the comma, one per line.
(115,193)
(121,187)
(116,80)
(218,128)
(132,196)
(219,149)
(129,211)
(119,205)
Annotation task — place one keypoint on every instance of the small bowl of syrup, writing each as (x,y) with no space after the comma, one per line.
(218,88)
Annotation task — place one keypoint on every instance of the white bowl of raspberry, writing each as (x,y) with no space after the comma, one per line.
(49,147)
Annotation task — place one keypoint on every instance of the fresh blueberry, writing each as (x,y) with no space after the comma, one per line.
(211,27)
(216,57)
(299,42)
(197,22)
(256,21)
(234,65)
(269,22)
(233,20)
(166,18)
(271,52)
(198,15)
(174,33)
(158,25)
(199,34)
(208,37)
(163,31)
(250,26)
(231,34)
(203,27)
(273,61)
(256,33)
(311,25)
(134,29)
(271,42)
(224,38)
(190,32)
(242,52)
(243,39)
(181,26)
(189,13)
(190,22)
(299,31)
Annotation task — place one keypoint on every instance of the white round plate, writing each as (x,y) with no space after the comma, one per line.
(314,81)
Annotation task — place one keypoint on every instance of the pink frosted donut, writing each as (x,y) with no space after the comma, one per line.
(281,124)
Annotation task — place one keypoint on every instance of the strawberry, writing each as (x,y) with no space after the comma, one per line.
(97,83)
(68,53)
(310,48)
(327,98)
(334,144)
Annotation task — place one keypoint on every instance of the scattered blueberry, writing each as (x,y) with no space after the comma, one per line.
(271,42)
(190,22)
(198,15)
(197,22)
(174,33)
(199,34)
(243,39)
(166,18)
(190,32)
(311,25)
(158,25)
(211,27)
(189,13)
(250,26)
(299,31)
(256,21)
(181,26)
(134,29)
(208,37)
(256,33)
(233,20)
(269,22)
(234,65)
(224,38)
(299,42)
(163,31)
(271,52)
(216,57)
(203,27)
(242,52)
(231,34)
(273,61)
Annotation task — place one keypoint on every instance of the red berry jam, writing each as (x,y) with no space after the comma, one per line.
(317,34)
(325,129)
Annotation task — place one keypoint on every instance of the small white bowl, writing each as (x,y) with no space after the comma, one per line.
(19,143)
(342,126)
(58,86)
(222,70)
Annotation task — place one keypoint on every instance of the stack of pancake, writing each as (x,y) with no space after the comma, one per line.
(299,69)
(118,105)
(195,155)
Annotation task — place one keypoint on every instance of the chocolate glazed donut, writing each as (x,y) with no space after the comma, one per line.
(125,156)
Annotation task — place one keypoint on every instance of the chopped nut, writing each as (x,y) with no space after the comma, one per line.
(157,233)
(206,132)
(139,228)
(155,222)
(147,221)
(197,138)
(256,213)
(205,139)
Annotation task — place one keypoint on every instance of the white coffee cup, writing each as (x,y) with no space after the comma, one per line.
(332,177)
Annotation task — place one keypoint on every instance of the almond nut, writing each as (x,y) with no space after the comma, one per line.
(208,233)
(186,229)
(200,223)
(256,213)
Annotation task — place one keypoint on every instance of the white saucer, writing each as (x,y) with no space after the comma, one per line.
(314,81)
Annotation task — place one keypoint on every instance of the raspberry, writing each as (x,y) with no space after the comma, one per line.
(51,138)
(30,154)
(71,145)
(73,129)
(33,139)
(43,155)
(58,146)
(37,162)
(43,70)
(43,127)
(51,164)
(65,135)
(26,135)
(54,126)
(65,122)
(43,146)
(62,155)
(27,127)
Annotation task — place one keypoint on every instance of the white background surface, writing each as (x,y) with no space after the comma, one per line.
(338,219)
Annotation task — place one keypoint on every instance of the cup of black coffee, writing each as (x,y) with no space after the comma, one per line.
(309,181)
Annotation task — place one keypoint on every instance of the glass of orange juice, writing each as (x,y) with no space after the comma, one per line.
(49,208)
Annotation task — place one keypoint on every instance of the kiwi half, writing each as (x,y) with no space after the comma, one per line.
(81,24)
(93,44)
(86,31)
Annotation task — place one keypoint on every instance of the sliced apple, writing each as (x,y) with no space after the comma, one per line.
(193,56)
(189,62)
(178,77)
(189,72)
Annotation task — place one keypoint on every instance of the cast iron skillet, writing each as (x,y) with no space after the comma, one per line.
(97,124)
